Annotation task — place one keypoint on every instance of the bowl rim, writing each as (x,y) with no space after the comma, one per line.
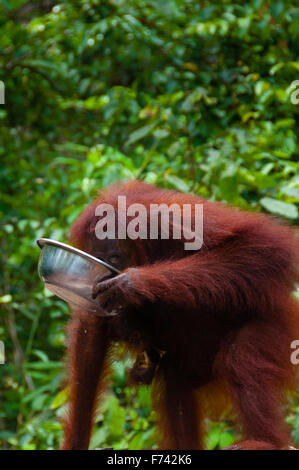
(41,242)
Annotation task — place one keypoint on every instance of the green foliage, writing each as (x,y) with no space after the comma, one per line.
(219,435)
(195,98)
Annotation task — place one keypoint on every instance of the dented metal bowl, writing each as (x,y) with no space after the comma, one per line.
(70,274)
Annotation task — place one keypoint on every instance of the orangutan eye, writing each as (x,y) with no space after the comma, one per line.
(114,259)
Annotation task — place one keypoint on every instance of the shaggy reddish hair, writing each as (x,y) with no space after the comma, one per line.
(223,313)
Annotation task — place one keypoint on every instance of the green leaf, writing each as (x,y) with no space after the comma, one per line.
(115,416)
(6,299)
(226,439)
(291,192)
(278,207)
(177,182)
(139,134)
(213,438)
(59,399)
(43,365)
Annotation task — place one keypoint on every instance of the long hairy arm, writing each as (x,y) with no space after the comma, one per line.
(239,273)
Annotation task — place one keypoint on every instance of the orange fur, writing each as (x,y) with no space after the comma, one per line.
(224,312)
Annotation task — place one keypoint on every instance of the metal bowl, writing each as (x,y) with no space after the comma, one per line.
(70,274)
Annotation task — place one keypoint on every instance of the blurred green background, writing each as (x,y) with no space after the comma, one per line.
(189,95)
